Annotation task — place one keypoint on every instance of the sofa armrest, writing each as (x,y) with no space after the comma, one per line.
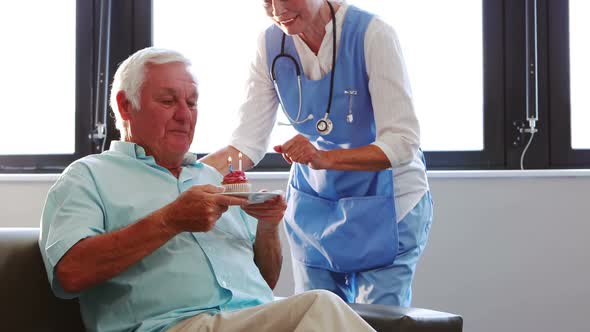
(27,301)
(391,318)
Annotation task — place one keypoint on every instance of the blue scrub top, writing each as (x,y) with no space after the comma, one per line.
(191,274)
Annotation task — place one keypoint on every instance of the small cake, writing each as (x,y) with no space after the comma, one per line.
(236,182)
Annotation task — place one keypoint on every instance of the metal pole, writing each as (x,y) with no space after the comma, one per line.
(99,133)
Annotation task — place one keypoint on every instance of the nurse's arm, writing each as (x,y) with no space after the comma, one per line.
(218,160)
(366,158)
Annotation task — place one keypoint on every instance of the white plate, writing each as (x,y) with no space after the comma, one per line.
(256,197)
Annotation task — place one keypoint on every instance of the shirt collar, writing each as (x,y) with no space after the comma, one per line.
(134,150)
(128,148)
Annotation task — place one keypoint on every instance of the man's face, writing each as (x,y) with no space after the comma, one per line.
(165,124)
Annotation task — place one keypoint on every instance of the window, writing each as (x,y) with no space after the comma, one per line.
(33,80)
(220,59)
(44,84)
(579,29)
(453,107)
(434,46)
(567,49)
(443,100)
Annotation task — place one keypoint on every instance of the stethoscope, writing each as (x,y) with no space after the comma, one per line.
(324,125)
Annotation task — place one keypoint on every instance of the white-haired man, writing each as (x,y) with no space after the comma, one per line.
(140,235)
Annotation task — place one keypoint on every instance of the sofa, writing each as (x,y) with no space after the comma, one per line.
(29,305)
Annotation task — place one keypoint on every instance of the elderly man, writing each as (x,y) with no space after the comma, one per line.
(142,237)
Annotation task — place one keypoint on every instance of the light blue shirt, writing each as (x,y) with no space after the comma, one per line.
(190,274)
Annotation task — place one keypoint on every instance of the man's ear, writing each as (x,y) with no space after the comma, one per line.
(124,104)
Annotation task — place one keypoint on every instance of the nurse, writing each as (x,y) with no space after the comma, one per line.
(359,207)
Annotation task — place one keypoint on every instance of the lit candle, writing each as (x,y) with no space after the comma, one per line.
(240,161)
(231,169)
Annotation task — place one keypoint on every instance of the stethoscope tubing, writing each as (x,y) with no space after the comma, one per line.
(296,120)
(324,125)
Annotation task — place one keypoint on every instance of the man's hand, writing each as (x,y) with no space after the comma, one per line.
(198,209)
(269,214)
(300,150)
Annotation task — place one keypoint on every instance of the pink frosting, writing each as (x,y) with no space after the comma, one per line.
(235,177)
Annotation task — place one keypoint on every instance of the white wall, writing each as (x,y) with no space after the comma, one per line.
(508,253)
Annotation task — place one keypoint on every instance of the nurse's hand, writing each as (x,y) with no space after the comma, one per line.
(300,150)
(269,213)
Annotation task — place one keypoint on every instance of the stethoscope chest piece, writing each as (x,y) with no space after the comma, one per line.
(324,126)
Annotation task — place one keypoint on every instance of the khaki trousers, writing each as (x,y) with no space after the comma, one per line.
(316,310)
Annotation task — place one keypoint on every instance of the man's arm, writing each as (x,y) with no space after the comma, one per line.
(100,258)
(267,247)
(218,160)
(267,253)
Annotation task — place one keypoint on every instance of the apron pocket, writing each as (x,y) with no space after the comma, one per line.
(348,235)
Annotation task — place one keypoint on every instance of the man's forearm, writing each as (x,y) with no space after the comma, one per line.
(99,258)
(267,253)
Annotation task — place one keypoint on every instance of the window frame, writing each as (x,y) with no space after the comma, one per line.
(504,103)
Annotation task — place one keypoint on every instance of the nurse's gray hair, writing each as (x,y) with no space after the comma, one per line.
(130,76)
